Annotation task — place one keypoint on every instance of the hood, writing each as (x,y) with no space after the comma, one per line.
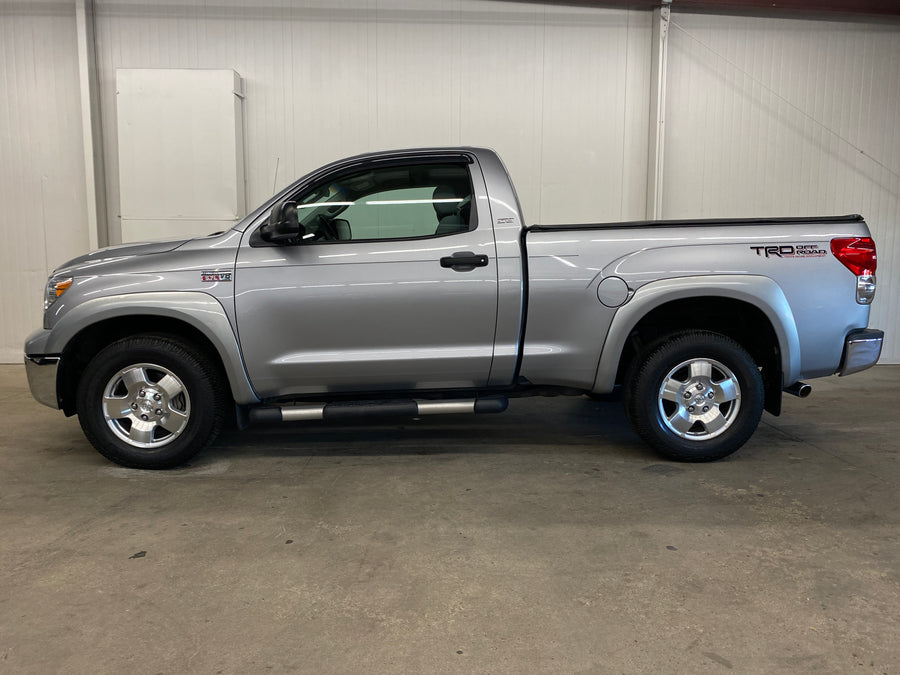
(118,253)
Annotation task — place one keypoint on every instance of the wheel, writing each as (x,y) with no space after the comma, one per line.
(150,402)
(694,397)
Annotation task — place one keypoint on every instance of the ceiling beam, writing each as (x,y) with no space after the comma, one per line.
(797,8)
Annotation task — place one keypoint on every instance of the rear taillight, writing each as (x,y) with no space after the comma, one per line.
(857,254)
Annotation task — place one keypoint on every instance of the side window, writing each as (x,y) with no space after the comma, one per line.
(393,202)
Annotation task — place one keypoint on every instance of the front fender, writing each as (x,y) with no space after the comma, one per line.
(199,310)
(758,291)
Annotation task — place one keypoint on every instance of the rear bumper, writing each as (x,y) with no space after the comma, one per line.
(861,350)
(41,372)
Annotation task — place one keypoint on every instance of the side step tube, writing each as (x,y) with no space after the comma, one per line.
(341,410)
(799,389)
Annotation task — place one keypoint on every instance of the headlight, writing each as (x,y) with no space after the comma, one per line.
(55,288)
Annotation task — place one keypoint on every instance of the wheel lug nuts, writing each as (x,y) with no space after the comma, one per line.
(710,395)
(705,408)
(134,406)
(144,417)
(159,411)
(157,397)
(687,395)
(142,393)
(690,408)
(699,387)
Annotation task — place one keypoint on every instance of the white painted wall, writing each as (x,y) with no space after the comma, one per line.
(560,92)
(42,187)
(767,117)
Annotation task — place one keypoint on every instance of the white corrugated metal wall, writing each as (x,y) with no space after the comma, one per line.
(42,189)
(561,92)
(768,117)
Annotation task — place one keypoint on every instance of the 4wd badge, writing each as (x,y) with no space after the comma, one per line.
(214,277)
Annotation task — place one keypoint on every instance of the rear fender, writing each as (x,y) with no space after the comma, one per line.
(759,291)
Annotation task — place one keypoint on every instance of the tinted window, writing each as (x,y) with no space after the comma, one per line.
(394,202)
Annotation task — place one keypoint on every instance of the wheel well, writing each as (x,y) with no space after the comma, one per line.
(89,341)
(744,323)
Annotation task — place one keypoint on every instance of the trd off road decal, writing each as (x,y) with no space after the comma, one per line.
(791,251)
(211,276)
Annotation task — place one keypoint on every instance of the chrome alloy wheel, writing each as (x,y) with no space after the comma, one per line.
(699,399)
(146,405)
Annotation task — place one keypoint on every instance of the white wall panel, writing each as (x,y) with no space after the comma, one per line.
(181,152)
(768,116)
(560,92)
(42,200)
(595,102)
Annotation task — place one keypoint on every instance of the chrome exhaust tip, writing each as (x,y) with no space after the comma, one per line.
(799,389)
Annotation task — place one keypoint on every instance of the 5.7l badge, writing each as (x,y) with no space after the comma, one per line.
(212,276)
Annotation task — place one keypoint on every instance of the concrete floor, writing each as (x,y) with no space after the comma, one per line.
(547,539)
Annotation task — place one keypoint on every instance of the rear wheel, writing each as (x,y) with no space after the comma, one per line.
(694,397)
(150,402)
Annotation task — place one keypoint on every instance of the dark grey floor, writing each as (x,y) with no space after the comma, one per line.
(547,539)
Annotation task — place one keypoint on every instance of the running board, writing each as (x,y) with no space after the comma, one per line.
(342,410)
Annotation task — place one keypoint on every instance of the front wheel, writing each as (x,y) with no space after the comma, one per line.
(695,397)
(150,402)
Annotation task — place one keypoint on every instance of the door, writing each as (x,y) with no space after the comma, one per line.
(392,285)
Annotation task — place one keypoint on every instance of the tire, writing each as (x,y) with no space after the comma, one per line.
(695,396)
(150,402)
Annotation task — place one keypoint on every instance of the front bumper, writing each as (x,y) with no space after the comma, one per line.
(41,372)
(861,350)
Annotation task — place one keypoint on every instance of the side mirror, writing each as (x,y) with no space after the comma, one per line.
(283,224)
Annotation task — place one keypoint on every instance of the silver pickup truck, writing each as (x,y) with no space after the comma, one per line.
(407,283)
